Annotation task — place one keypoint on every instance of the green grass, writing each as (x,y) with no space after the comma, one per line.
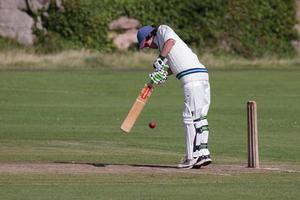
(76,115)
(150,186)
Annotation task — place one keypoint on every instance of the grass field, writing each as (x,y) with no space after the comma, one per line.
(51,116)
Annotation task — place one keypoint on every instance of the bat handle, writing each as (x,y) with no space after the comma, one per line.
(150,84)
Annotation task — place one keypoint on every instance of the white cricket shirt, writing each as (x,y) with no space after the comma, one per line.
(183,62)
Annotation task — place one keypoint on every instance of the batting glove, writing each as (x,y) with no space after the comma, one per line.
(159,77)
(159,63)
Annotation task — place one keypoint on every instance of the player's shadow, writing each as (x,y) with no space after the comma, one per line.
(134,165)
(130,165)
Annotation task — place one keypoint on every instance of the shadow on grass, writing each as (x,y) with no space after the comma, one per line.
(130,165)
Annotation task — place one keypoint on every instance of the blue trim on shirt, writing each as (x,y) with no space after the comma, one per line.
(191,71)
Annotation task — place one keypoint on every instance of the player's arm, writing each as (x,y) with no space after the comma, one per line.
(161,60)
(162,70)
(167,47)
(166,50)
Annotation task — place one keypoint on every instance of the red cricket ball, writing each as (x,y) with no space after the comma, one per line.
(152,125)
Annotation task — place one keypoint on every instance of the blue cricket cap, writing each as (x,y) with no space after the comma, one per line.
(142,34)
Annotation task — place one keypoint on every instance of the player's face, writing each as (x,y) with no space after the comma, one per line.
(149,42)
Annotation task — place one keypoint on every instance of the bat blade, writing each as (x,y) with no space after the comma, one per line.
(136,108)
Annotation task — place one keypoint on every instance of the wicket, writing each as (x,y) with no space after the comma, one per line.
(253,157)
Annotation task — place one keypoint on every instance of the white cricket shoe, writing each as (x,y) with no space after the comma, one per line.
(187,163)
(203,161)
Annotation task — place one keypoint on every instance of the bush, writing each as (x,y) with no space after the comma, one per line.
(261,27)
(7,44)
(85,24)
(251,28)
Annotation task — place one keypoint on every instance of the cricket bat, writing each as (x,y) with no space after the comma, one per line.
(136,108)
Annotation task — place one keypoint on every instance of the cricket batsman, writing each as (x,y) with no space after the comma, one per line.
(175,57)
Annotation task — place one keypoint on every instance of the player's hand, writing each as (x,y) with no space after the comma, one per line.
(159,63)
(159,77)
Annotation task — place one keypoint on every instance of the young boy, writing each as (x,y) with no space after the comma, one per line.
(175,57)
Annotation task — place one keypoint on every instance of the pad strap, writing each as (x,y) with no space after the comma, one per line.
(201,118)
(201,146)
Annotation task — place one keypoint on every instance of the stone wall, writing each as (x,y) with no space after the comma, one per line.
(123,32)
(16,22)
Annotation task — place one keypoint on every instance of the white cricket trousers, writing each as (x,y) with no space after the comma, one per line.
(195,109)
